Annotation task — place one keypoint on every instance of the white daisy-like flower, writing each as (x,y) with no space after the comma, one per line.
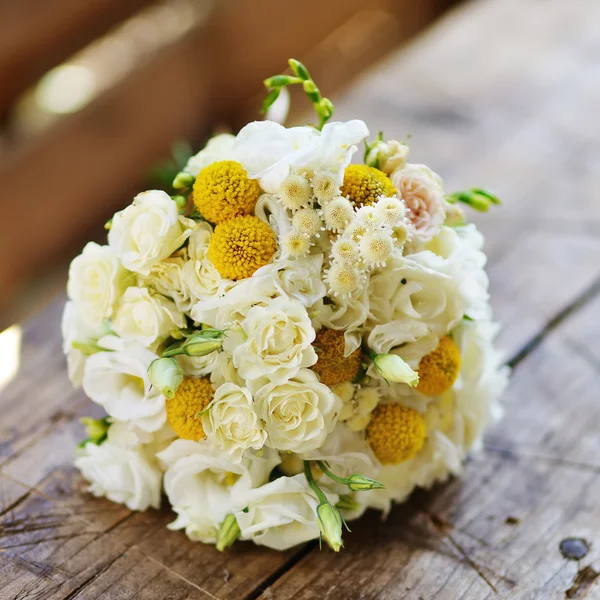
(296,244)
(308,221)
(326,186)
(342,278)
(402,233)
(355,231)
(338,213)
(345,250)
(295,192)
(391,211)
(368,216)
(376,247)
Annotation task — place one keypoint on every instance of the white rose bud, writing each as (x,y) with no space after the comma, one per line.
(392,368)
(165,375)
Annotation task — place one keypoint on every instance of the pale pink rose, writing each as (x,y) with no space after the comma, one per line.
(422,192)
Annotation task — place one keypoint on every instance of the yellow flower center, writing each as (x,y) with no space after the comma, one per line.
(223,191)
(191,397)
(239,247)
(396,433)
(439,369)
(363,185)
(332,366)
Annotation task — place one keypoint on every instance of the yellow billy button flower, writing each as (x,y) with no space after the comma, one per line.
(223,191)
(239,247)
(332,366)
(364,185)
(192,397)
(439,369)
(396,433)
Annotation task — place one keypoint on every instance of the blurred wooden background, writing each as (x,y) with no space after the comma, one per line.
(94,93)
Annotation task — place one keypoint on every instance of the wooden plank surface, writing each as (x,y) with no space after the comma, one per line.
(489,98)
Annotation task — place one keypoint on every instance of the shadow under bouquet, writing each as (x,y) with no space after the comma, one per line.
(286,340)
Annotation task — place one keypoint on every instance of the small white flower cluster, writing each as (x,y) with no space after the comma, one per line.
(260,366)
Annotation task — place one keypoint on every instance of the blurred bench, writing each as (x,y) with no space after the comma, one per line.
(59,184)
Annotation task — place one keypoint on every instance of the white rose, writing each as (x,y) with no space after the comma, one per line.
(126,476)
(96,280)
(167,278)
(148,231)
(224,370)
(143,317)
(279,514)
(409,300)
(198,366)
(199,274)
(273,340)
(299,279)
(118,381)
(231,423)
(267,150)
(201,484)
(218,148)
(482,378)
(422,192)
(299,413)
(77,337)
(233,301)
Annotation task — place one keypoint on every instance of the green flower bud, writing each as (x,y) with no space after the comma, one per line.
(183,180)
(360,483)
(229,532)
(96,429)
(330,525)
(181,201)
(299,69)
(165,375)
(392,368)
(201,345)
(281,81)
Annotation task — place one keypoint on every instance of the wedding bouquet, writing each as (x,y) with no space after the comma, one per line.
(288,339)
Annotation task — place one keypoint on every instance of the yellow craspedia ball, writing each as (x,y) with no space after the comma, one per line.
(439,369)
(332,366)
(223,191)
(396,433)
(239,247)
(191,397)
(364,185)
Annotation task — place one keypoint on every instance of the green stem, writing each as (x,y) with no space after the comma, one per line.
(313,484)
(336,478)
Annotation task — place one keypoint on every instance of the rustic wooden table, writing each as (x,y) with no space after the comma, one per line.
(501,92)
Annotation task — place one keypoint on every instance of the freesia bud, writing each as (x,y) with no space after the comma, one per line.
(360,483)
(229,532)
(392,368)
(96,429)
(330,525)
(183,180)
(165,375)
(281,80)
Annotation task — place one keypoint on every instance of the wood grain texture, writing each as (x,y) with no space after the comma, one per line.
(521,118)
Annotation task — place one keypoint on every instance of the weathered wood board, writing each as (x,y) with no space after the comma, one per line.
(502,92)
